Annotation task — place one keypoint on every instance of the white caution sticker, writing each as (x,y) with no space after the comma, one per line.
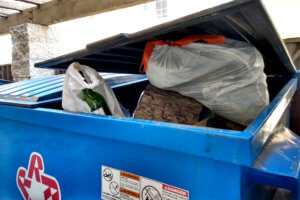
(120,185)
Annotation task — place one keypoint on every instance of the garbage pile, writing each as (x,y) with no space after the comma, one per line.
(168,106)
(225,75)
(196,73)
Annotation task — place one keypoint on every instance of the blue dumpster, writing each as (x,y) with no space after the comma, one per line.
(49,153)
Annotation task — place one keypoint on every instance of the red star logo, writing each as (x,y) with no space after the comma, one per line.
(34,184)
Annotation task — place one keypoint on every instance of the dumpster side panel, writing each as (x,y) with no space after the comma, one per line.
(75,161)
(223,145)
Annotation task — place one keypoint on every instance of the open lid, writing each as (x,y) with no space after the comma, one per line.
(244,20)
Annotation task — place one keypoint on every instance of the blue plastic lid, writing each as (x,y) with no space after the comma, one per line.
(41,91)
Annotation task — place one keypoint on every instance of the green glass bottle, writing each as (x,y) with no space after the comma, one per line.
(95,101)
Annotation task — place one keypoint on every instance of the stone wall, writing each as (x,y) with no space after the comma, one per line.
(32,43)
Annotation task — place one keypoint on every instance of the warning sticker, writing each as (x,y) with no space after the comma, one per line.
(120,185)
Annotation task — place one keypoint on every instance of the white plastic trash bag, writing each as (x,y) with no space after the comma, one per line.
(74,83)
(227,78)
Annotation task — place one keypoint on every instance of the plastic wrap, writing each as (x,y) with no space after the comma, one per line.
(72,98)
(227,78)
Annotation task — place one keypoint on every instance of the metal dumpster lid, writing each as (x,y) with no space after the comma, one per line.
(244,20)
(41,91)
